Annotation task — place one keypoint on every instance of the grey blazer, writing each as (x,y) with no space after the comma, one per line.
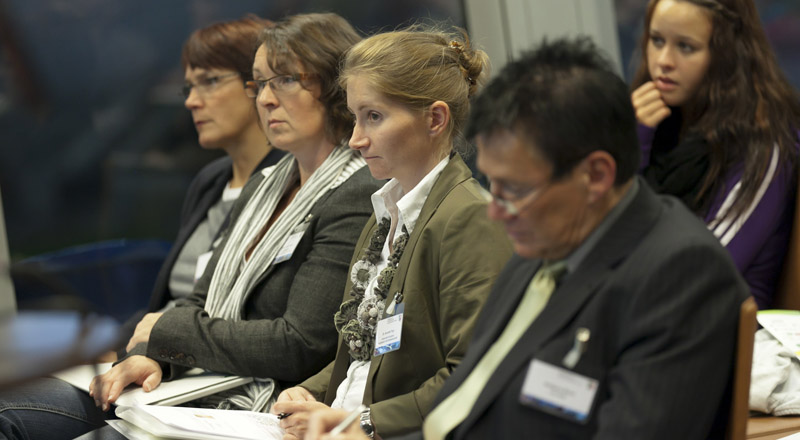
(205,190)
(661,298)
(287,332)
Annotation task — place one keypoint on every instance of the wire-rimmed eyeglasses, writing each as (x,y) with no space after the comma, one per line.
(286,83)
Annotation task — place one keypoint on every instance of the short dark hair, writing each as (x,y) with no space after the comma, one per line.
(566,96)
(318,41)
(225,45)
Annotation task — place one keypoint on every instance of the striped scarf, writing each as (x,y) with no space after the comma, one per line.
(234,278)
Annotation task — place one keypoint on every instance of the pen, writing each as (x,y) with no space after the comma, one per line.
(347,420)
(282,416)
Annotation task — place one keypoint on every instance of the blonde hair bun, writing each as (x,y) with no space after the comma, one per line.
(419,65)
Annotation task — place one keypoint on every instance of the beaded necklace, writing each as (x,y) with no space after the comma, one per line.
(357,318)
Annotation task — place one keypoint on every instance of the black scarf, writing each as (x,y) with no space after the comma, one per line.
(678,167)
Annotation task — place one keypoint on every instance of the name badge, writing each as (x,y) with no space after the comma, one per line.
(387,334)
(202,263)
(558,391)
(290,244)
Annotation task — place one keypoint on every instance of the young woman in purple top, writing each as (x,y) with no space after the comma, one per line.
(718,127)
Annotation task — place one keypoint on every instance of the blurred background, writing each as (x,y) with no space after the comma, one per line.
(95,143)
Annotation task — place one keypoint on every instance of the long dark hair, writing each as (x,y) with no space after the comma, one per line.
(743,107)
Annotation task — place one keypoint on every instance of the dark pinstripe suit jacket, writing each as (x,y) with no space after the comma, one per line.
(661,298)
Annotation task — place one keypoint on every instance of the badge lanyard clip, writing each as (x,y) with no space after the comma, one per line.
(572,357)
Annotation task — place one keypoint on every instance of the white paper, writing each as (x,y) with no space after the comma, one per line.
(130,431)
(784,325)
(195,384)
(202,423)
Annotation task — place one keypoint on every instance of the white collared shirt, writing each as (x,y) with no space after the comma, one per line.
(403,210)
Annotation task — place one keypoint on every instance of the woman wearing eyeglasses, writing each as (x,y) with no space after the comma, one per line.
(217,60)
(263,307)
(428,257)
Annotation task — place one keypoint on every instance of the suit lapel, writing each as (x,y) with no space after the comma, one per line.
(569,298)
(268,271)
(453,173)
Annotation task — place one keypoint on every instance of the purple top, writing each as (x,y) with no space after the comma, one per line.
(759,239)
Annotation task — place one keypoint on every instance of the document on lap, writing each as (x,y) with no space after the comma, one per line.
(148,422)
(195,383)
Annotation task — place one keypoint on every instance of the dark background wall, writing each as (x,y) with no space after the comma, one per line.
(94,140)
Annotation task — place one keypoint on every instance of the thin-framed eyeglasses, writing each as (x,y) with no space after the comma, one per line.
(205,85)
(286,83)
(518,201)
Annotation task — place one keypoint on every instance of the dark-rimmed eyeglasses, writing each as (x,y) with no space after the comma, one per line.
(206,85)
(287,83)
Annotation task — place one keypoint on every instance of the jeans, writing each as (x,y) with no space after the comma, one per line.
(105,433)
(48,409)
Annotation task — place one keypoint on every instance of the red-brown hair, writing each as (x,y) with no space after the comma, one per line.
(225,45)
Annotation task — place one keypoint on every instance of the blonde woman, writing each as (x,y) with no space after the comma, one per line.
(427,258)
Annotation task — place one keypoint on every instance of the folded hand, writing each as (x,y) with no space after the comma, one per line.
(140,370)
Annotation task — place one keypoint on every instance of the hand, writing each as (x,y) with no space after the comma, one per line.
(143,329)
(323,421)
(294,394)
(295,425)
(649,105)
(140,370)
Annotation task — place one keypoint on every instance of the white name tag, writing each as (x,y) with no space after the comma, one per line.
(558,391)
(387,334)
(202,263)
(290,244)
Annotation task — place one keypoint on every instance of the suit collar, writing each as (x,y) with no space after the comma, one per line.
(454,173)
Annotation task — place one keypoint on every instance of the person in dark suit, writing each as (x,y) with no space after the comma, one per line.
(616,318)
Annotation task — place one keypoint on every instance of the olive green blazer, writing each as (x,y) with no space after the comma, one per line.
(445,274)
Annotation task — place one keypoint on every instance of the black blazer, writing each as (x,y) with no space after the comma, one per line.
(661,298)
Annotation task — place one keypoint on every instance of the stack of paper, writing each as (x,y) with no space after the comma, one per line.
(784,325)
(147,422)
(194,384)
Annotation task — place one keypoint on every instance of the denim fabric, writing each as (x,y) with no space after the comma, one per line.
(47,409)
(106,433)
